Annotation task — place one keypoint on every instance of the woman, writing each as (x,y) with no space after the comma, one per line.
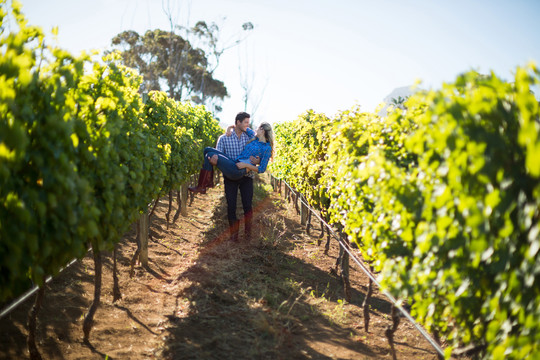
(261,146)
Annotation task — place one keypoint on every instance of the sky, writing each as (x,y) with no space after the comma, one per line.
(325,55)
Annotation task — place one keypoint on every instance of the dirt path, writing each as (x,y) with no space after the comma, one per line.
(204,297)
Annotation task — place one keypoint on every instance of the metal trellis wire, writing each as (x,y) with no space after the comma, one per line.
(394,301)
(29,293)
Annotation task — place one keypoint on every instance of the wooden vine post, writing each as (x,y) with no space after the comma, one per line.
(32,324)
(391,330)
(345,268)
(89,318)
(365,305)
(179,203)
(296,196)
(117,295)
(304,211)
(142,233)
(168,215)
(183,199)
(192,195)
(308,225)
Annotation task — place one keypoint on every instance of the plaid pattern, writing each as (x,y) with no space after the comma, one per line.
(232,146)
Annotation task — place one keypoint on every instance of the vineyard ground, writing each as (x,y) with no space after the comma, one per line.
(204,297)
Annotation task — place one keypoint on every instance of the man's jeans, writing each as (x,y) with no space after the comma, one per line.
(245,185)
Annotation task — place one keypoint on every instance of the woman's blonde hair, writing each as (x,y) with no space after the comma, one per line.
(269,135)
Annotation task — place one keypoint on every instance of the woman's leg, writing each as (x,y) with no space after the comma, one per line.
(208,153)
(225,164)
(205,175)
(206,162)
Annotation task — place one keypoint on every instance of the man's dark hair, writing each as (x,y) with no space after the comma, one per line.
(241,116)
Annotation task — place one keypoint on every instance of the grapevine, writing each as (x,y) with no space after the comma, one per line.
(442,199)
(81,154)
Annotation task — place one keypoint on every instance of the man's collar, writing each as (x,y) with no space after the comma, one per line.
(239,136)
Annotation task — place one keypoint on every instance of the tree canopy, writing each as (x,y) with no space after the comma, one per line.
(169,62)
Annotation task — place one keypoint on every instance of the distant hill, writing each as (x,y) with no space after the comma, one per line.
(404,91)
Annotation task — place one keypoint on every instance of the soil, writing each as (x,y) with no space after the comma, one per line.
(274,296)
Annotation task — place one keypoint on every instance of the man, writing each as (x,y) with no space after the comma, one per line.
(232,146)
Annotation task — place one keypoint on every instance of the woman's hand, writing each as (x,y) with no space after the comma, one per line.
(242,165)
(255,160)
(230,130)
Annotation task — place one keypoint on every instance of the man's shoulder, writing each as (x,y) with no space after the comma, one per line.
(224,138)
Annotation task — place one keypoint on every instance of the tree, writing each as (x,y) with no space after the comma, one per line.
(181,61)
(209,36)
(247,81)
(399,102)
(169,62)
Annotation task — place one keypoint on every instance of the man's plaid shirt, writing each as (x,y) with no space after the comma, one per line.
(233,145)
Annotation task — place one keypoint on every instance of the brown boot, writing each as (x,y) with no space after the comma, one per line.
(204,182)
(234,228)
(211,181)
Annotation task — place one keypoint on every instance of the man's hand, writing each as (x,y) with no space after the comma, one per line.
(241,165)
(255,160)
(213,160)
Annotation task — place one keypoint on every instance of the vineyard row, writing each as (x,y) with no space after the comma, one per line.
(82,154)
(346,251)
(442,197)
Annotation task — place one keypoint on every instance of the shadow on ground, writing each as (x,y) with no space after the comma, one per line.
(252,300)
(65,301)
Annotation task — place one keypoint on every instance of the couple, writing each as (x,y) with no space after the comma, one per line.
(237,155)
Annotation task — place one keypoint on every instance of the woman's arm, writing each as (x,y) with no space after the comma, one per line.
(264,160)
(243,165)
(231,128)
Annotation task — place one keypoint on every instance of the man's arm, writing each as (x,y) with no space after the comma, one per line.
(213,160)
(249,131)
(220,146)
